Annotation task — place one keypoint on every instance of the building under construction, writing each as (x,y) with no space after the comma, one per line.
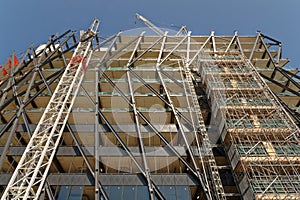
(150,114)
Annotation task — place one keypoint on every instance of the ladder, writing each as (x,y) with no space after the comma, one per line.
(212,166)
(29,178)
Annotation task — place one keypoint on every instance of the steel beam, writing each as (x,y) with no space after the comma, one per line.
(20,111)
(280,84)
(180,128)
(213,41)
(254,46)
(83,179)
(200,49)
(137,124)
(116,151)
(156,190)
(146,174)
(9,123)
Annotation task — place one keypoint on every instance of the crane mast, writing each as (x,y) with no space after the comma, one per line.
(29,178)
(149,24)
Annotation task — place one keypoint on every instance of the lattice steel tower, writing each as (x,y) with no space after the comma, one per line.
(150,114)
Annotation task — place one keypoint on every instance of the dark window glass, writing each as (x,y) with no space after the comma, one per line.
(168,191)
(115,192)
(64,193)
(129,192)
(182,192)
(76,193)
(142,192)
(106,189)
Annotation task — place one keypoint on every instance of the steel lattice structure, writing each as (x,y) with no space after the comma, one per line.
(139,129)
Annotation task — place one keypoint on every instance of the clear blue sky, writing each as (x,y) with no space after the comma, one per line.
(25,22)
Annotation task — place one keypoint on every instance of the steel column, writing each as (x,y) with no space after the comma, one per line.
(181,131)
(137,124)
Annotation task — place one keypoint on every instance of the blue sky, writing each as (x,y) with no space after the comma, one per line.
(25,22)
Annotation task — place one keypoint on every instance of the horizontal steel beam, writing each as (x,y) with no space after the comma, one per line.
(120,179)
(86,128)
(110,151)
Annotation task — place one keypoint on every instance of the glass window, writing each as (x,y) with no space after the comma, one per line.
(106,189)
(115,193)
(129,192)
(64,193)
(142,192)
(182,192)
(76,193)
(168,191)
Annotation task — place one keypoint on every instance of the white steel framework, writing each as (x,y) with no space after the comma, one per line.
(151,75)
(34,165)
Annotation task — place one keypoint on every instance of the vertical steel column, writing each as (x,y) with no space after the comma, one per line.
(181,131)
(137,124)
(213,41)
(96,174)
(279,52)
(96,148)
(140,138)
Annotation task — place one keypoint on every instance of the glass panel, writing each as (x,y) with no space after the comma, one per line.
(129,192)
(142,192)
(76,193)
(106,189)
(182,192)
(168,192)
(64,193)
(115,193)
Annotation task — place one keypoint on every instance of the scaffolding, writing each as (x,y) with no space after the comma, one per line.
(261,139)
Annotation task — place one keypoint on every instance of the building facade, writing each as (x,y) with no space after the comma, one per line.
(170,116)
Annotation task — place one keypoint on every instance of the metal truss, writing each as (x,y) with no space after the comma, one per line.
(212,166)
(27,81)
(26,74)
(35,163)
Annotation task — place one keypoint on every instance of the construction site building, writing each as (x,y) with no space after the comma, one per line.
(150,115)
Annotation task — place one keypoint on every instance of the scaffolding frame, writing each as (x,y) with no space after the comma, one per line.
(259,134)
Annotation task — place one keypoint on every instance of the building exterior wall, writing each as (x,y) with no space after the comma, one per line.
(138,122)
